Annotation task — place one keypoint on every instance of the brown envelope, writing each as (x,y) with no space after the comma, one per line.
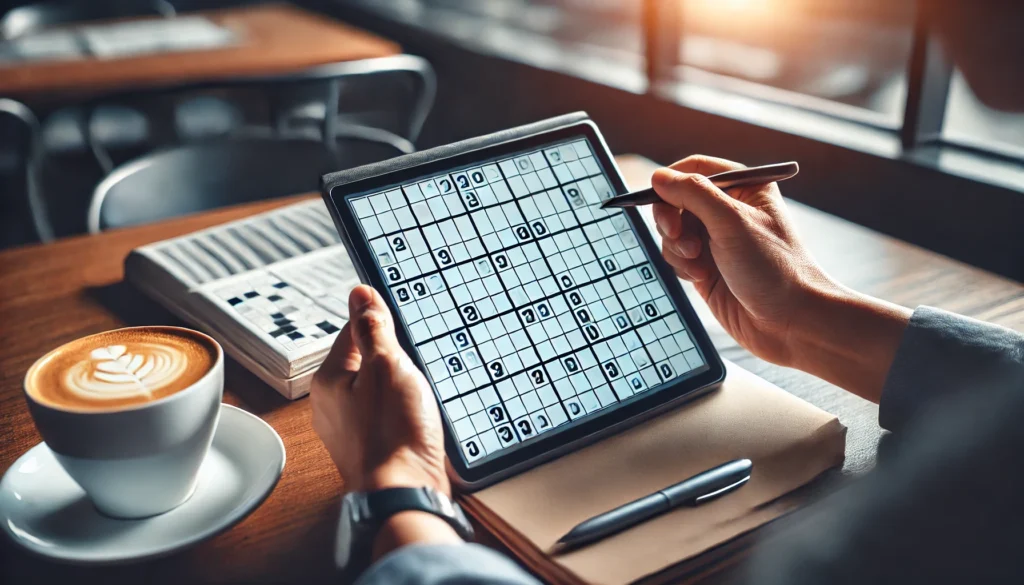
(789,441)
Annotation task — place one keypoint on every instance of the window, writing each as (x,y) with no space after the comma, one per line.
(611,25)
(972,123)
(845,72)
(600,40)
(843,57)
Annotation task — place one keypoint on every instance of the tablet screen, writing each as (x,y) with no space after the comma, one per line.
(530,306)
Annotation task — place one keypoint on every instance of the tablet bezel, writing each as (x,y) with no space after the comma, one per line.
(588,429)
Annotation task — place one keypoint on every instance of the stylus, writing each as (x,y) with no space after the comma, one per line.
(696,490)
(726,180)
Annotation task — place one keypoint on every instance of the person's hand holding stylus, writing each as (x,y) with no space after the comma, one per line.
(740,250)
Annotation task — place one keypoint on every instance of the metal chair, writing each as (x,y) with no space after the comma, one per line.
(19,176)
(199,177)
(386,99)
(351,146)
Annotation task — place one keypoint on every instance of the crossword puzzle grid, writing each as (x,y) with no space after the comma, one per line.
(530,305)
(297,303)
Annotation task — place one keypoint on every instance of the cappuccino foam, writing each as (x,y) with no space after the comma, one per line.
(121,368)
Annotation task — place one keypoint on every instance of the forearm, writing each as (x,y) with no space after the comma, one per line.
(848,339)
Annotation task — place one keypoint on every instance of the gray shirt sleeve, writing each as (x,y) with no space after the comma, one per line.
(448,564)
(944,503)
(942,354)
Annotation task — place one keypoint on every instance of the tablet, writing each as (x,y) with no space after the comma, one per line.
(541,321)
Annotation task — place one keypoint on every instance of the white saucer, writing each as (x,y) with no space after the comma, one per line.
(44,510)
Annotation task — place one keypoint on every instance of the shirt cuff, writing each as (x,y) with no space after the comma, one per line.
(445,564)
(941,354)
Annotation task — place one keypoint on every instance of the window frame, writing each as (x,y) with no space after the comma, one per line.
(920,133)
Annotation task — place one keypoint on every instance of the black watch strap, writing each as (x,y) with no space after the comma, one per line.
(387,502)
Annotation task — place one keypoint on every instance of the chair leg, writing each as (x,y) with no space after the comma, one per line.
(330,127)
(37,206)
(103,158)
(38,211)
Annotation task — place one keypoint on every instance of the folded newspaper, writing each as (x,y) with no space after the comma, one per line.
(271,288)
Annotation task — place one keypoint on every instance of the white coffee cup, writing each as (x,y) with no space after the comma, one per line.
(139,460)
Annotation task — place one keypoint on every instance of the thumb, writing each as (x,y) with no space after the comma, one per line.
(373,330)
(696,194)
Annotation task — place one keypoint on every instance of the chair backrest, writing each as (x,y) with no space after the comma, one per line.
(283,93)
(394,94)
(16,136)
(21,205)
(198,177)
(31,18)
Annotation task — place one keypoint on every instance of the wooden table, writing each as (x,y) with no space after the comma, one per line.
(57,293)
(273,39)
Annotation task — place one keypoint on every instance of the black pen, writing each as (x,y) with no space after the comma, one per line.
(696,490)
(728,179)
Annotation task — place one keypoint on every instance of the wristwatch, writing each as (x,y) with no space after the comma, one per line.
(363,513)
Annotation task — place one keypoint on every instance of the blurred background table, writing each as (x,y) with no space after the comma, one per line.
(53,294)
(86,89)
(269,39)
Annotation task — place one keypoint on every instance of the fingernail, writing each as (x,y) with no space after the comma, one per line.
(366,301)
(660,224)
(366,305)
(688,249)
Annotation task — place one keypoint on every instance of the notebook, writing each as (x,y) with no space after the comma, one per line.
(789,441)
(271,288)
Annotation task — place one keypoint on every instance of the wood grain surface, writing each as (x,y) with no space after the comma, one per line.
(272,39)
(53,294)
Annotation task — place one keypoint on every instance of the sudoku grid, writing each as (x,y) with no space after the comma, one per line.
(530,306)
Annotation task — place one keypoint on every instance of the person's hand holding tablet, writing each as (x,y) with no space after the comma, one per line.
(742,253)
(377,416)
(541,320)
(515,318)
(376,413)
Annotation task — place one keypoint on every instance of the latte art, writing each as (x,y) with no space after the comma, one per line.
(121,368)
(113,372)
